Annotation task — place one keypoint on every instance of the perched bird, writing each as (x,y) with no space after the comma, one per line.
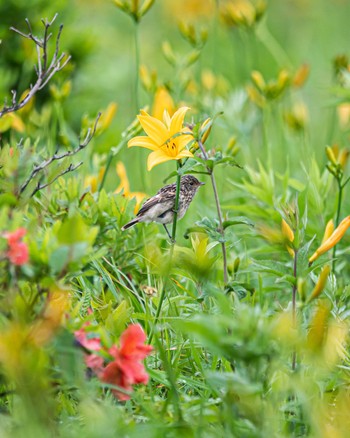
(160,208)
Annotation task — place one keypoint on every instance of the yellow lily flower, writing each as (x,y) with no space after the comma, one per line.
(167,139)
(332,240)
(124,187)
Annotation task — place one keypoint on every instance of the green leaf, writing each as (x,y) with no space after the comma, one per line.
(59,258)
(230,161)
(74,230)
(239,220)
(8,199)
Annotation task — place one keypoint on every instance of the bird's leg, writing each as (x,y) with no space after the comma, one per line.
(166,229)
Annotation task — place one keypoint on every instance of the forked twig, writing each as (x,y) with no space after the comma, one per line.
(56,157)
(44,70)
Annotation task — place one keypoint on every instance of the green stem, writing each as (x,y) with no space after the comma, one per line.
(108,165)
(340,197)
(273,46)
(173,241)
(294,307)
(137,64)
(171,378)
(218,209)
(221,228)
(266,112)
(176,206)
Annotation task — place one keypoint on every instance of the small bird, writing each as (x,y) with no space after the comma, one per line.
(160,208)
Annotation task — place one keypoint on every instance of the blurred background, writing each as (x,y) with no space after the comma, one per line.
(210,75)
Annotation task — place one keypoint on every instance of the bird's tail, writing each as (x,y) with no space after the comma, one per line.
(130,224)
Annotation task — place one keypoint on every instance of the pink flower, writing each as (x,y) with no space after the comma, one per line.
(17,252)
(126,369)
(93,361)
(91,343)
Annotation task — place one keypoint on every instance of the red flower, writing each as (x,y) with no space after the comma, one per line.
(91,343)
(126,369)
(93,361)
(17,253)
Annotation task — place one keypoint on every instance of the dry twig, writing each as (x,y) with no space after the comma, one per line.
(45,69)
(56,157)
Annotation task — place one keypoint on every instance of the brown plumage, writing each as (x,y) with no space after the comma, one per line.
(160,208)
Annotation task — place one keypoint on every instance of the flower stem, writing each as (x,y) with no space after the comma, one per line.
(294,308)
(219,212)
(337,219)
(137,64)
(176,206)
(173,241)
(108,165)
(273,46)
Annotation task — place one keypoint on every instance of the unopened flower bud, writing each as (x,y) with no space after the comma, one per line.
(330,155)
(301,75)
(321,283)
(328,230)
(287,231)
(205,129)
(334,238)
(258,80)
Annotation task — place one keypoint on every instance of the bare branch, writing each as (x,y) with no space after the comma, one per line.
(57,157)
(44,69)
(70,168)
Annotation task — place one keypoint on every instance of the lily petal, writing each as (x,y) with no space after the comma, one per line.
(157,157)
(183,141)
(154,128)
(166,119)
(143,142)
(184,154)
(177,120)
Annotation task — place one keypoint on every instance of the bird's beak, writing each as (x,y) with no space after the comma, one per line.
(201,183)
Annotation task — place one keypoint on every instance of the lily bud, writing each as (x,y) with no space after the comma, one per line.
(287,231)
(321,283)
(334,238)
(328,230)
(205,129)
(330,155)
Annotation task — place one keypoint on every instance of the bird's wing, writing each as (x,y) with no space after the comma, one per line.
(166,196)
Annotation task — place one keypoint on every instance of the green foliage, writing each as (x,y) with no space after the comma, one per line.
(242,346)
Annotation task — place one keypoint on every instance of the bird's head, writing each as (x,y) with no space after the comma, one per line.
(191,183)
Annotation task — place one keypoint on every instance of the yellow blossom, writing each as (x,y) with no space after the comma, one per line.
(43,329)
(93,181)
(343,157)
(162,101)
(11,121)
(301,75)
(167,139)
(242,13)
(107,117)
(124,186)
(208,79)
(190,9)
(344,114)
(332,240)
